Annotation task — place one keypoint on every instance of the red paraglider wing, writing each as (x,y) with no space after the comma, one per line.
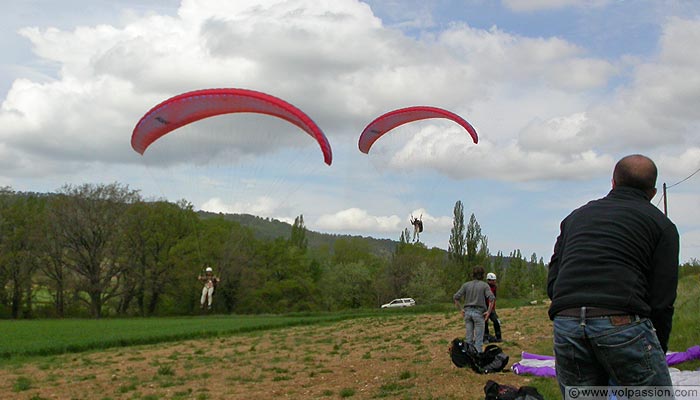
(193,106)
(392,119)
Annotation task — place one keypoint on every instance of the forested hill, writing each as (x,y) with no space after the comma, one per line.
(267,228)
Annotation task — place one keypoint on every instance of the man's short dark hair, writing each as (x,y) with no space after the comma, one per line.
(636,171)
(478,272)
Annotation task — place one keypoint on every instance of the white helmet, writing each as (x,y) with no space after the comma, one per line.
(491,276)
(208,269)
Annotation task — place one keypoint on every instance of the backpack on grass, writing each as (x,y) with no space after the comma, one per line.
(458,353)
(463,354)
(496,391)
(493,359)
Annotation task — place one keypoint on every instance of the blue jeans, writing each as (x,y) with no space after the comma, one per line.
(474,323)
(600,353)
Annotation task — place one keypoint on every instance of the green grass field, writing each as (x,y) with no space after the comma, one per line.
(58,336)
(50,337)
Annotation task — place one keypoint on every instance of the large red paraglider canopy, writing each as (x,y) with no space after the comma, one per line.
(193,106)
(392,119)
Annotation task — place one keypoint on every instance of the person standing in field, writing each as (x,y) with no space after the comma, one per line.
(493,317)
(612,280)
(478,304)
(210,281)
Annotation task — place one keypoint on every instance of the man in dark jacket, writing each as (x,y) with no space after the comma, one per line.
(612,281)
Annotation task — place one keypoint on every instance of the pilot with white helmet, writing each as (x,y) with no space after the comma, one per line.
(493,317)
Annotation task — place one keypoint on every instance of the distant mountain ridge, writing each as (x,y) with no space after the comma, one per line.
(270,229)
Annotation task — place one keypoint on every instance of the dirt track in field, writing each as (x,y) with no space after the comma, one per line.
(397,357)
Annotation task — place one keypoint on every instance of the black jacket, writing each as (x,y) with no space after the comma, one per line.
(619,252)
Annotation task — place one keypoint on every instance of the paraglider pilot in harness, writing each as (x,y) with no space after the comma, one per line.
(417,226)
(210,281)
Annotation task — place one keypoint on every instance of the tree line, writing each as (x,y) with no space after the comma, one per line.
(102,250)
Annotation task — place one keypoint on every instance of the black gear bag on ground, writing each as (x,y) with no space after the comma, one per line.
(496,391)
(458,353)
(493,359)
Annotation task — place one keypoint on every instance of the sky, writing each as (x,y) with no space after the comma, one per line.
(558,91)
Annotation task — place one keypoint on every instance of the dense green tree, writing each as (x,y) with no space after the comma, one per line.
(103,246)
(90,223)
(6,195)
(298,237)
(425,285)
(226,247)
(357,251)
(499,266)
(690,267)
(285,280)
(353,249)
(399,271)
(239,270)
(538,276)
(133,276)
(516,282)
(153,230)
(483,254)
(476,244)
(54,265)
(20,239)
(345,285)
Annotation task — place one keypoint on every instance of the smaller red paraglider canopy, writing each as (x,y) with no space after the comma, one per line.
(392,119)
(189,107)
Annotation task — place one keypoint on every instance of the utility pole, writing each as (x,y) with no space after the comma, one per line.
(665,204)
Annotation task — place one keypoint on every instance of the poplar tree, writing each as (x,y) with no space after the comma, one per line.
(456,248)
(472,240)
(298,237)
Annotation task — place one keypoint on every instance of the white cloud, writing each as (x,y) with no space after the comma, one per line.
(562,135)
(495,57)
(676,167)
(452,155)
(110,75)
(357,220)
(361,221)
(661,105)
(260,206)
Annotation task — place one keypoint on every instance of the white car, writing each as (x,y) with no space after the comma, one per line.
(406,302)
